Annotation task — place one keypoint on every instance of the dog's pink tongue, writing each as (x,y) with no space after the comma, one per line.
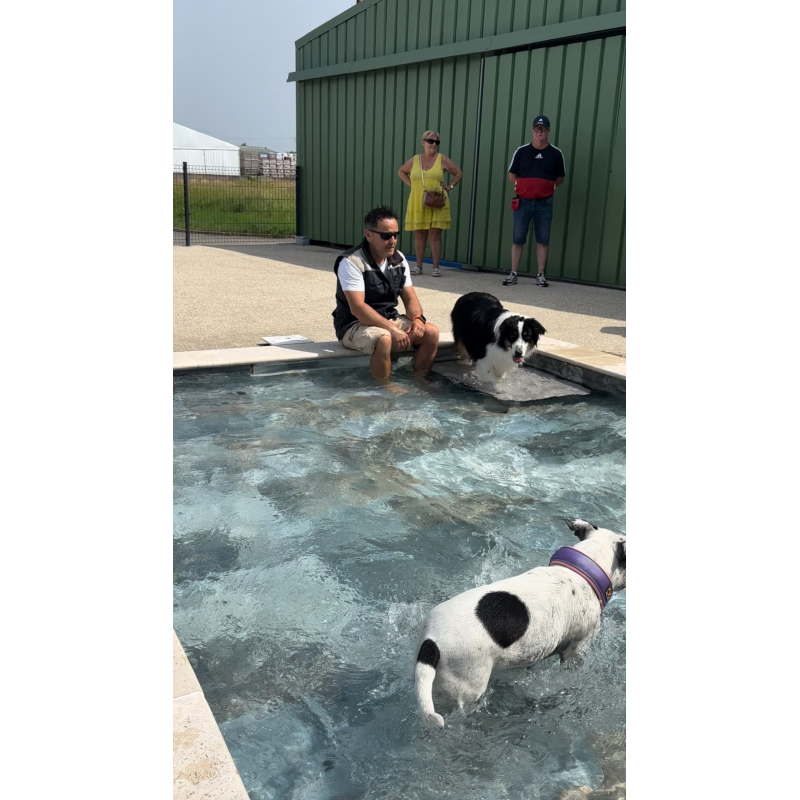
(517,359)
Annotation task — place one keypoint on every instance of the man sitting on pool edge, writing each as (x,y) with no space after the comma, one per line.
(369,279)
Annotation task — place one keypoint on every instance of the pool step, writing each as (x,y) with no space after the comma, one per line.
(523,385)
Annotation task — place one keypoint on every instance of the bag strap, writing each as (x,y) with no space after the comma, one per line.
(422,173)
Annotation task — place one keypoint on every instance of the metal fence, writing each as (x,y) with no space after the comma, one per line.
(218,205)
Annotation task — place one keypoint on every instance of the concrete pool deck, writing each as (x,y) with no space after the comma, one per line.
(226,299)
(230,297)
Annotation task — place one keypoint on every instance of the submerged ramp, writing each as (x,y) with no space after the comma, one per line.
(522,385)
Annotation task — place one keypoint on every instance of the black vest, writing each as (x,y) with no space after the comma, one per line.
(380,291)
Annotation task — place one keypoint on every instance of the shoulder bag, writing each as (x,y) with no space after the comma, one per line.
(430,199)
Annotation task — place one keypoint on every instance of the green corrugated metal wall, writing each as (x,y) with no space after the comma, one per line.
(362,151)
(581,88)
(356,130)
(382,27)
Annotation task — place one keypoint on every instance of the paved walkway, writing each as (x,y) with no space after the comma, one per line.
(232,296)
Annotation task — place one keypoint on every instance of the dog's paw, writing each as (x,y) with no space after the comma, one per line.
(433,720)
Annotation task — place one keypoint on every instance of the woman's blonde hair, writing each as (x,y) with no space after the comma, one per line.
(428,134)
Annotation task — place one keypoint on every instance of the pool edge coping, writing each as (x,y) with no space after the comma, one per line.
(591,368)
(202,765)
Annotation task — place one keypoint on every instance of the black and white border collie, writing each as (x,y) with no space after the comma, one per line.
(495,339)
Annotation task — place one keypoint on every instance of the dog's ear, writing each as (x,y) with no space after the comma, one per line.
(532,329)
(621,548)
(580,527)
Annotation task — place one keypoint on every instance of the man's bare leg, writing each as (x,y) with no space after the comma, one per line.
(380,362)
(428,348)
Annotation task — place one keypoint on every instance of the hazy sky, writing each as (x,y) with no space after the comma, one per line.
(230,62)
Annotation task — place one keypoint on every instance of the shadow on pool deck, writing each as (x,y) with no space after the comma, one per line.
(598,301)
(231,296)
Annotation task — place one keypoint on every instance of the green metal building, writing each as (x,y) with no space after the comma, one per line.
(373,79)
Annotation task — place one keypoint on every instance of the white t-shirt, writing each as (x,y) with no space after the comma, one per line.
(353,281)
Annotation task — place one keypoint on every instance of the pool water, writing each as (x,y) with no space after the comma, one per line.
(319,517)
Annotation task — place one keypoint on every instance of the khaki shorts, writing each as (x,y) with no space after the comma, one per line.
(364,337)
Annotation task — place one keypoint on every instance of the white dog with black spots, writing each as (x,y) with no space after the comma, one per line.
(516,622)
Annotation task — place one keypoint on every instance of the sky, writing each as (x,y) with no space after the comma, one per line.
(230,61)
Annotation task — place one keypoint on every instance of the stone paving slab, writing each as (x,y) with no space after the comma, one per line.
(605,363)
(184,681)
(245,356)
(202,767)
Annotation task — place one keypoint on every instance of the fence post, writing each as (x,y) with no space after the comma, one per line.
(186,199)
(297,218)
(298,215)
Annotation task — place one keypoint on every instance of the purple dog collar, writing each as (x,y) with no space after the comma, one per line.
(588,569)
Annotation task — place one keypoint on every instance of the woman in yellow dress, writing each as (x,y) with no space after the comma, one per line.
(422,220)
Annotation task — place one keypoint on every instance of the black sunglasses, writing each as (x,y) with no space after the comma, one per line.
(432,141)
(385,235)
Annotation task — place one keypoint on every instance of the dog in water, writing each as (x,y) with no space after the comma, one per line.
(495,339)
(516,622)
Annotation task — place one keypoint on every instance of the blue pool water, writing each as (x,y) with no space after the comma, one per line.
(319,517)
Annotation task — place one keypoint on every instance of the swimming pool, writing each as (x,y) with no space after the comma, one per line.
(319,517)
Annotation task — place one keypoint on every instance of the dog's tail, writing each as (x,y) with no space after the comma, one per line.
(424,673)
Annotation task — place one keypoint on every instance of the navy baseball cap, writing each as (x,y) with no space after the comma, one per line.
(541,120)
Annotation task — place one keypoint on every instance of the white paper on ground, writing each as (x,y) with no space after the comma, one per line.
(276,340)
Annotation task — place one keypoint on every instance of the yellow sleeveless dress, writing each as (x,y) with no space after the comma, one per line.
(419,217)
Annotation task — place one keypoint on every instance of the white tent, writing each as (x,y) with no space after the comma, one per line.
(201,151)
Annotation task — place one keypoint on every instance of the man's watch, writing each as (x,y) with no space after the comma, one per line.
(419,316)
